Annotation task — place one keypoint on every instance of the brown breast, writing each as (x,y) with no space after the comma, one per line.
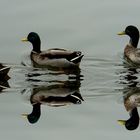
(128,50)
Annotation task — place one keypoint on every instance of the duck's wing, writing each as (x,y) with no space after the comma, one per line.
(56,53)
(134,56)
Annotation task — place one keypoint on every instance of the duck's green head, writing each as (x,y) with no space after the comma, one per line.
(35,40)
(130,31)
(133,33)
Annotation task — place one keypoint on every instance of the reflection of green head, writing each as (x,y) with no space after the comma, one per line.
(133,122)
(35,115)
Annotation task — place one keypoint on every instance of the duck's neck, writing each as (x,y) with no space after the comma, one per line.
(37,47)
(134,41)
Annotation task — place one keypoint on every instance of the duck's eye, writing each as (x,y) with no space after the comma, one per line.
(127,32)
(32,39)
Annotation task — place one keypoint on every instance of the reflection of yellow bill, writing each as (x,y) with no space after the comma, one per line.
(121,122)
(24,115)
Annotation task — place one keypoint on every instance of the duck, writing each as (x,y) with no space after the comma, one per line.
(55,57)
(131,52)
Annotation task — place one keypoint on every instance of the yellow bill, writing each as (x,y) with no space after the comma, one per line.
(121,33)
(121,122)
(24,39)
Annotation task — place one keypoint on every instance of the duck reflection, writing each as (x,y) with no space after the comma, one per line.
(4,77)
(74,70)
(72,73)
(61,94)
(131,96)
(70,70)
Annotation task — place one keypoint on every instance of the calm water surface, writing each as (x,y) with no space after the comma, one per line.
(97,97)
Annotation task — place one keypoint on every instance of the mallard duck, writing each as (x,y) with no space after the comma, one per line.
(131,52)
(52,57)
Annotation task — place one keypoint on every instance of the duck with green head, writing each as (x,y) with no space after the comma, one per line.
(52,57)
(131,52)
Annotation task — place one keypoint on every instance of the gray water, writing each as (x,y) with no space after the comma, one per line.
(90,26)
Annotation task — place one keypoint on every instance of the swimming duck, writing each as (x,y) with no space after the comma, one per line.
(131,52)
(52,57)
